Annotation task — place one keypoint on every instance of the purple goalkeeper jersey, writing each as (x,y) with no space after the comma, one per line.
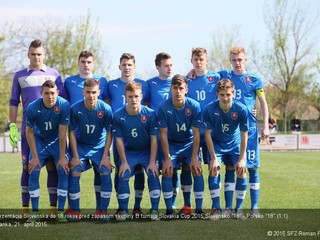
(27,84)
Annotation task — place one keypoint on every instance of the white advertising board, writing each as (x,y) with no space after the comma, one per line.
(280,142)
(309,141)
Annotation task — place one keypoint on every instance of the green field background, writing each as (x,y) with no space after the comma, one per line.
(290,203)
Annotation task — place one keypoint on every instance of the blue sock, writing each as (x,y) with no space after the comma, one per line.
(214,187)
(229,185)
(154,191)
(62,191)
(34,188)
(74,192)
(186,186)
(167,192)
(123,194)
(138,189)
(198,188)
(175,185)
(97,186)
(241,187)
(254,182)
(106,190)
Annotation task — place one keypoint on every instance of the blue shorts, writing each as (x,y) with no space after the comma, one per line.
(181,154)
(135,160)
(47,151)
(229,159)
(227,154)
(86,153)
(253,153)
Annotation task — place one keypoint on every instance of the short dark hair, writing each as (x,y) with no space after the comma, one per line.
(179,79)
(224,84)
(85,54)
(90,82)
(36,44)
(49,84)
(161,56)
(127,56)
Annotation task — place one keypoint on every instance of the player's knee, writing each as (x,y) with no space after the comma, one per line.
(104,170)
(167,175)
(242,175)
(214,174)
(61,171)
(196,173)
(76,171)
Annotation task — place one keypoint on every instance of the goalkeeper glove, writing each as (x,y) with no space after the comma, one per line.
(14,135)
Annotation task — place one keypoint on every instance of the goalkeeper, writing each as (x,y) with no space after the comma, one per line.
(27,85)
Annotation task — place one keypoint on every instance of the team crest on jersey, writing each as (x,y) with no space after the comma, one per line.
(234,115)
(188,111)
(144,118)
(100,114)
(56,109)
(248,79)
(210,79)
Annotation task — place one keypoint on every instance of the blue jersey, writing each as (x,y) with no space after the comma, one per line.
(180,122)
(226,127)
(159,91)
(135,130)
(116,94)
(91,126)
(245,88)
(74,85)
(46,121)
(203,88)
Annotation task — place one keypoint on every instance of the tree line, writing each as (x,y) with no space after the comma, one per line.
(288,60)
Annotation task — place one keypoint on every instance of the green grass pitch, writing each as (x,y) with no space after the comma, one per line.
(289,203)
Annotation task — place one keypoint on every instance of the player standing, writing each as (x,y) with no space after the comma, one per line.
(248,87)
(27,85)
(90,139)
(135,129)
(159,89)
(47,122)
(202,89)
(116,98)
(74,90)
(223,120)
(180,122)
